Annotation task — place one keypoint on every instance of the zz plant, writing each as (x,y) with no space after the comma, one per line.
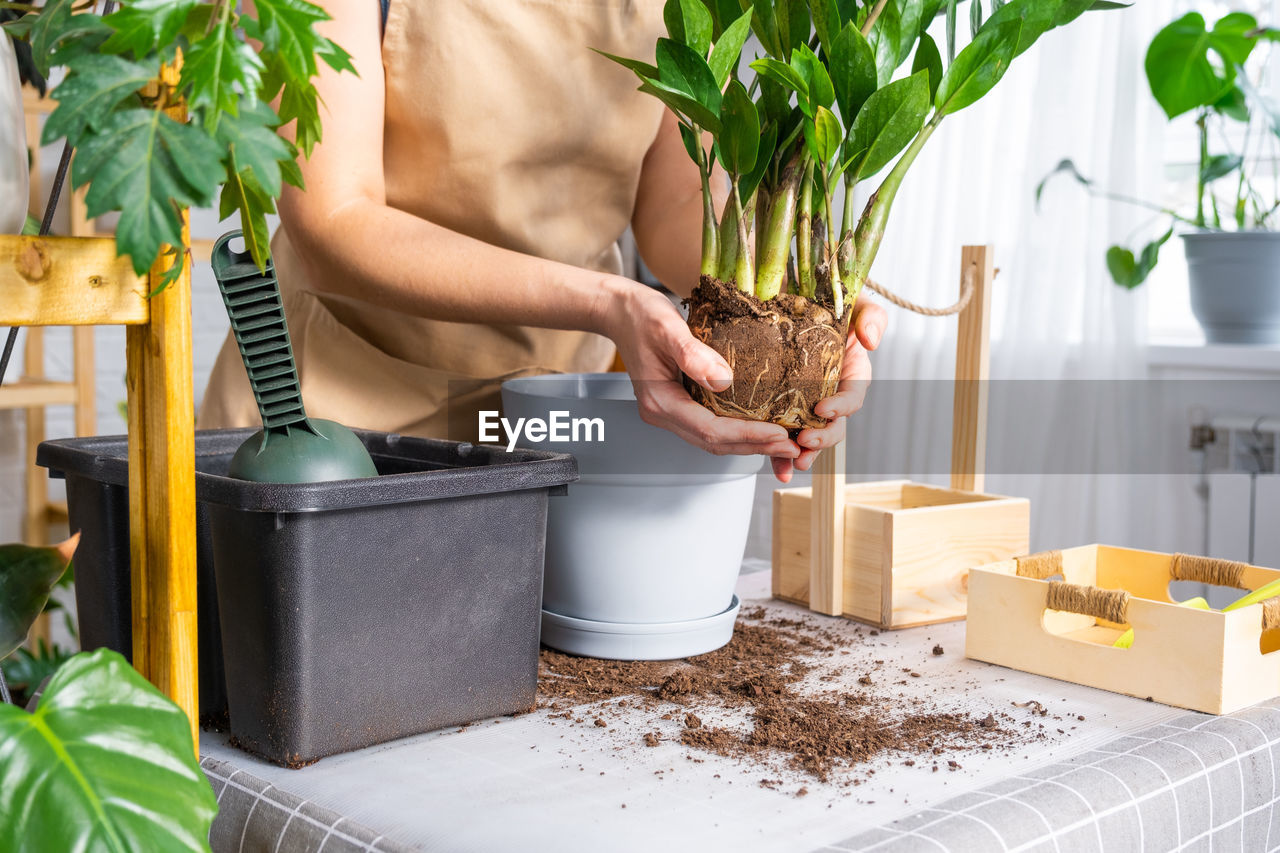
(146,164)
(823,110)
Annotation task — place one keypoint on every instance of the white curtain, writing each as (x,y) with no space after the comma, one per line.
(1079,92)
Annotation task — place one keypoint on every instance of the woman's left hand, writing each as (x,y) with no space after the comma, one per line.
(867,329)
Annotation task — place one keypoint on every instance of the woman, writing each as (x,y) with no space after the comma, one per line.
(460,220)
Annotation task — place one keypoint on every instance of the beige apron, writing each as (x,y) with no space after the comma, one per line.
(500,124)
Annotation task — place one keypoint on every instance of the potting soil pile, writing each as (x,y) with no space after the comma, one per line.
(795,697)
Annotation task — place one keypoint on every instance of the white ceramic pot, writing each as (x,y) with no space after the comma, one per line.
(14,177)
(1235,285)
(644,551)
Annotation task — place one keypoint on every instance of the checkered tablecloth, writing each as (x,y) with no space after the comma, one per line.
(1130,776)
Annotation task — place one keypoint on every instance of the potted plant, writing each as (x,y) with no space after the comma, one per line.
(104,761)
(125,73)
(1232,251)
(822,110)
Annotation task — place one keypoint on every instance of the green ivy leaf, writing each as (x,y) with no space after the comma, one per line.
(979,66)
(217,69)
(96,86)
(141,26)
(887,123)
(27,576)
(928,59)
(105,762)
(144,164)
(740,135)
(728,49)
(689,23)
(853,72)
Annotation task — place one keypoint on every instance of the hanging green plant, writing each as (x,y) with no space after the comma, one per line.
(824,110)
(147,165)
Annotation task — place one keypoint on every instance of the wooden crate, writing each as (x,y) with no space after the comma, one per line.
(1203,660)
(908,548)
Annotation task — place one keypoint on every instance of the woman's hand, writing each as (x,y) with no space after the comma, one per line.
(869,323)
(657,347)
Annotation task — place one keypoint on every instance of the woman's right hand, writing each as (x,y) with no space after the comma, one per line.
(657,347)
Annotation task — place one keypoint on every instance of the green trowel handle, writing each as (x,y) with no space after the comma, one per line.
(252,297)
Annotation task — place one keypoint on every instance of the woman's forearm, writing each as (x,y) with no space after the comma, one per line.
(370,251)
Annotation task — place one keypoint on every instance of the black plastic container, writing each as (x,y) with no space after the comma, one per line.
(357,611)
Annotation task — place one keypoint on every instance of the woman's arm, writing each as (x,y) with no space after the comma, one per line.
(353,244)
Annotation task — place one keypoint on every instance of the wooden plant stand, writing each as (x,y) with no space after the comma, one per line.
(896,554)
(79,281)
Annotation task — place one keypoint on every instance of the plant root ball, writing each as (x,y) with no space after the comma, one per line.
(786,353)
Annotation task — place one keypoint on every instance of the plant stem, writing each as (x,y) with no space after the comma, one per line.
(730,247)
(871,226)
(710,238)
(744,272)
(1204,159)
(776,245)
(871,19)
(846,251)
(833,267)
(804,233)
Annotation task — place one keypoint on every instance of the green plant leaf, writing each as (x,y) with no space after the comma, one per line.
(684,71)
(141,26)
(679,103)
(1219,166)
(1179,71)
(979,66)
(1036,16)
(740,135)
(244,194)
(105,762)
(821,91)
(823,136)
(91,92)
(748,183)
(782,74)
(286,28)
(299,102)
(1064,166)
(928,59)
(644,69)
(826,22)
(1107,5)
(894,34)
(144,164)
(27,576)
(1233,104)
(689,137)
(1129,272)
(27,670)
(55,25)
(975,16)
(887,123)
(853,72)
(728,49)
(689,23)
(217,69)
(253,143)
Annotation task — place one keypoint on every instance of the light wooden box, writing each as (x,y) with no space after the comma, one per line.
(1203,660)
(908,548)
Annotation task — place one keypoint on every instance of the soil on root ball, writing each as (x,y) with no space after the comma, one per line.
(785,353)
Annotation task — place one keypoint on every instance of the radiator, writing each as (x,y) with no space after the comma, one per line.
(1243,479)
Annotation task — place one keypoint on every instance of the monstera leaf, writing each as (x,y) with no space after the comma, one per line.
(104,763)
(27,576)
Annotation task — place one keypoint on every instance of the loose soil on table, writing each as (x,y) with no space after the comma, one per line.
(772,676)
(785,354)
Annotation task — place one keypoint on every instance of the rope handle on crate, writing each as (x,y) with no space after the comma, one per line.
(1113,604)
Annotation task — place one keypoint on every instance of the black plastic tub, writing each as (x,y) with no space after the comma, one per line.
(360,611)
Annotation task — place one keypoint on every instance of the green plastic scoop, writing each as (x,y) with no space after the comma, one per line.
(291,448)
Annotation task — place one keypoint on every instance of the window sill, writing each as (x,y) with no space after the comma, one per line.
(1192,356)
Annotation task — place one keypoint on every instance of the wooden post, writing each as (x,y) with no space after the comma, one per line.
(973,367)
(826,533)
(162,499)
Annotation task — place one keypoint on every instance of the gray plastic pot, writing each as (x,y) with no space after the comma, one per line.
(644,552)
(1235,285)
